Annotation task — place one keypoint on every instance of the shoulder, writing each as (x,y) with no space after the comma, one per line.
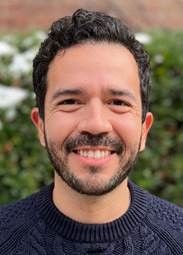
(161,225)
(165,218)
(158,209)
(18,217)
(165,211)
(16,210)
(21,227)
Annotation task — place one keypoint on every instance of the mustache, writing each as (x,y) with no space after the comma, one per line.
(114,144)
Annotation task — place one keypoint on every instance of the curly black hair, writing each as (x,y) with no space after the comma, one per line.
(84,26)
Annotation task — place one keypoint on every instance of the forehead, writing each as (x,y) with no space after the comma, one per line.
(93,67)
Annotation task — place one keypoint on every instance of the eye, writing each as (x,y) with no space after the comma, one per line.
(69,105)
(119,105)
(69,101)
(118,102)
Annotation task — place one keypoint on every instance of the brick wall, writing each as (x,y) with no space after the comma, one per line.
(139,14)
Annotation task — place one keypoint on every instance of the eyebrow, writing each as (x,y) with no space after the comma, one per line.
(76,92)
(124,92)
(66,92)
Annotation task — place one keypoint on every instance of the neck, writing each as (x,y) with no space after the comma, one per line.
(91,209)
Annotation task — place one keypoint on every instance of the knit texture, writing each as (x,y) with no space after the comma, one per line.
(34,226)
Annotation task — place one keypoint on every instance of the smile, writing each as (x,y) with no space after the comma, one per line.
(95,154)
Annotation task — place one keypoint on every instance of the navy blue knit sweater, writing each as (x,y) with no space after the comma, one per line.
(34,226)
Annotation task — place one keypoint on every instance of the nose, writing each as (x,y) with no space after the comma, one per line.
(94,119)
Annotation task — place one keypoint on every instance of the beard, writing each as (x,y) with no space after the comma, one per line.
(59,153)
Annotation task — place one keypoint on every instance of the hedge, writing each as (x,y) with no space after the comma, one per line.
(24,165)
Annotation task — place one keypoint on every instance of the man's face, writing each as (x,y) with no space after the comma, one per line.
(93,127)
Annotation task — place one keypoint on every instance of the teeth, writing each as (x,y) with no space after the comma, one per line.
(91,154)
(106,153)
(85,153)
(94,154)
(99,154)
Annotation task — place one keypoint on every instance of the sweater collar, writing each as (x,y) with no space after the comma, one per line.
(76,231)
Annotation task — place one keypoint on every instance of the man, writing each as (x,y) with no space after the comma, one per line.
(91,79)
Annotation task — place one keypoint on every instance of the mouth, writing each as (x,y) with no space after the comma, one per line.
(93,153)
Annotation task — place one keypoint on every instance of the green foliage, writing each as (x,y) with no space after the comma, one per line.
(160,168)
(24,165)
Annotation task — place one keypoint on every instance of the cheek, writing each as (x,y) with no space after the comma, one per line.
(59,127)
(128,129)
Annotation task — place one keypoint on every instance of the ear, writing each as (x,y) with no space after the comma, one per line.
(39,124)
(145,129)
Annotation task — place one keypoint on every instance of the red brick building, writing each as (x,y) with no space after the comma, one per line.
(139,14)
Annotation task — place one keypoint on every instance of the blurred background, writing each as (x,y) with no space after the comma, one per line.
(24,166)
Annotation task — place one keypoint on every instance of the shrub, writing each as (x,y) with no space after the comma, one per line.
(24,165)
